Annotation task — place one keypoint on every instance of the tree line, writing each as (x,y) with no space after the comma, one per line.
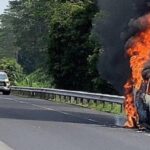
(54,37)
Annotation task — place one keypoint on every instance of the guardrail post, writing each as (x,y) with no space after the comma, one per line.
(75,100)
(81,100)
(59,97)
(55,97)
(44,95)
(48,96)
(88,101)
(112,106)
(41,95)
(103,102)
(67,98)
(63,98)
(95,101)
(121,108)
(52,96)
(35,94)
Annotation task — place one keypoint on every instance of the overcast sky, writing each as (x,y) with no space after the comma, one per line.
(3,5)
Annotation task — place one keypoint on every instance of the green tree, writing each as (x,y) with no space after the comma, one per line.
(13,69)
(69,46)
(56,36)
(7,37)
(31,30)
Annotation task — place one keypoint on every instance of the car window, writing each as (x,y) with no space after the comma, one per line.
(3,76)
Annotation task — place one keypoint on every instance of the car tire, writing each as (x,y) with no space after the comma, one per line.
(6,93)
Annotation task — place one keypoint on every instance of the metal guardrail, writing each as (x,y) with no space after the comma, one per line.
(77,96)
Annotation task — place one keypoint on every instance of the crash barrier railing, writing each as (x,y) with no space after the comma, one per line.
(76,97)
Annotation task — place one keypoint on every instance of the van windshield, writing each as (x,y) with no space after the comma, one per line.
(3,76)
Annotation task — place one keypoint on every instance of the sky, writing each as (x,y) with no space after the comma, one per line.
(3,5)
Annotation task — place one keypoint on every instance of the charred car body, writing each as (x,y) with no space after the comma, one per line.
(142,98)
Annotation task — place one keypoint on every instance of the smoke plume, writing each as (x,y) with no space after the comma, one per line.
(119,22)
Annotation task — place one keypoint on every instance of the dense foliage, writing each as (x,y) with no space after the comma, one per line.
(38,78)
(12,68)
(70,46)
(53,39)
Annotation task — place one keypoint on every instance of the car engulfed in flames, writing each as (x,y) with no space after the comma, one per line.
(139,115)
(137,88)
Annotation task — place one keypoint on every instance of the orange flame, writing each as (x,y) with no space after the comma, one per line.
(130,109)
(139,53)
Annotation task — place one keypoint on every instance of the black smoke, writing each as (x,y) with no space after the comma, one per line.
(113,29)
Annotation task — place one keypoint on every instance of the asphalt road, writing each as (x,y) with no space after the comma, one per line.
(33,124)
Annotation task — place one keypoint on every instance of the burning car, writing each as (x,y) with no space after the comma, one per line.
(142,104)
(137,88)
(142,97)
(137,104)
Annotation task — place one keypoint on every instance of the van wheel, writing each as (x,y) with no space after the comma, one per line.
(6,93)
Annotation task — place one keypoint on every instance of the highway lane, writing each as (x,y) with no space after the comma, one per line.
(34,124)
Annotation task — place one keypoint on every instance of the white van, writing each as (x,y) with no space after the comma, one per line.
(4,83)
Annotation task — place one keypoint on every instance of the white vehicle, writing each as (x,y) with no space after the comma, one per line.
(4,83)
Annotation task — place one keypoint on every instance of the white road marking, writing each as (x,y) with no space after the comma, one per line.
(11,99)
(3,146)
(65,113)
(93,120)
(62,112)
(50,109)
(8,98)
(22,102)
(139,132)
(18,101)
(43,107)
(147,134)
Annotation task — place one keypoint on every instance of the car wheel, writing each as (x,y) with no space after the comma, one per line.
(6,93)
